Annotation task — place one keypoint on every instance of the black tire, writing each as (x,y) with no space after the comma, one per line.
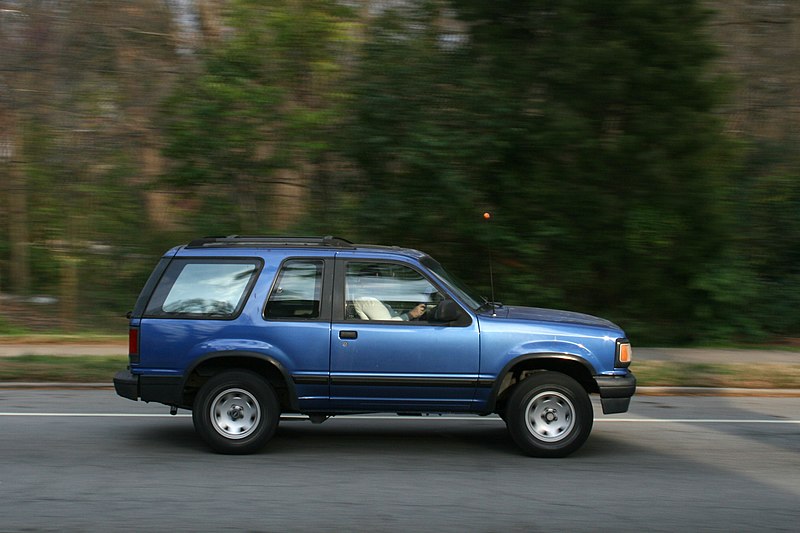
(236,412)
(549,415)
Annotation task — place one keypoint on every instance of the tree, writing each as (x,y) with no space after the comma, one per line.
(412,134)
(588,128)
(76,113)
(17,39)
(246,132)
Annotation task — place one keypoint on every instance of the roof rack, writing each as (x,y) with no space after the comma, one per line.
(264,241)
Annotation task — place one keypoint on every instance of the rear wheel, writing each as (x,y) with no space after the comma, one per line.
(549,415)
(236,412)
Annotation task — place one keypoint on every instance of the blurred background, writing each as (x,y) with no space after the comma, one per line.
(640,158)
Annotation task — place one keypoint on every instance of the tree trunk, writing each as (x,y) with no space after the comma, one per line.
(210,16)
(18,235)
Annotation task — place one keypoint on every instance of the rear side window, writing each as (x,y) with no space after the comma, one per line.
(297,292)
(203,288)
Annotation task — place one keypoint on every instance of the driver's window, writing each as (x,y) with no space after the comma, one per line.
(387,291)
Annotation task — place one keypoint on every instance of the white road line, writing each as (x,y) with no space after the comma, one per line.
(696,421)
(427,418)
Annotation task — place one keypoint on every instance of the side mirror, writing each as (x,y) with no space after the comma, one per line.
(446,311)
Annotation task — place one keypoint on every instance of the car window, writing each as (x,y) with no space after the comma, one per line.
(203,288)
(386,291)
(467,294)
(297,291)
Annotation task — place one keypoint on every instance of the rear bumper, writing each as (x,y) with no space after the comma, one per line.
(616,392)
(162,389)
(127,385)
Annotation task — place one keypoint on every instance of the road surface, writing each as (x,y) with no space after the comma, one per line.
(90,461)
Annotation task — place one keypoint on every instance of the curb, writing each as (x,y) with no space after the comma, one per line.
(711,391)
(640,391)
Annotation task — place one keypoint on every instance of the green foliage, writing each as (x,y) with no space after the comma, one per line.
(7,328)
(587,128)
(265,101)
(407,133)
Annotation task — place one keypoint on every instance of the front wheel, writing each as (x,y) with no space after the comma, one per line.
(236,412)
(549,415)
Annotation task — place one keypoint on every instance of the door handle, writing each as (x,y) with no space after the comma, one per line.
(348,334)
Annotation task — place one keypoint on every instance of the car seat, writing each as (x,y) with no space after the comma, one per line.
(369,308)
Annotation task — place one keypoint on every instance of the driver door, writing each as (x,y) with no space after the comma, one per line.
(381,358)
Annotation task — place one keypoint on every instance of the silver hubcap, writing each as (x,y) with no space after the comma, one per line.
(550,416)
(235,413)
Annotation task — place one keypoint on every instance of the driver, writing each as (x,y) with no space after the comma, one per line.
(414,313)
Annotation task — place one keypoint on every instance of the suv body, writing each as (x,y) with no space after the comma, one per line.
(242,329)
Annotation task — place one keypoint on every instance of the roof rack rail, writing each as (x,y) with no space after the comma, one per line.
(266,241)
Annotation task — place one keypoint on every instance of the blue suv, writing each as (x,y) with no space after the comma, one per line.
(242,329)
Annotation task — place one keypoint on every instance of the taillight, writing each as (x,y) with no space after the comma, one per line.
(133,345)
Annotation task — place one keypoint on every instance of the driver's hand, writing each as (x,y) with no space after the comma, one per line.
(416,312)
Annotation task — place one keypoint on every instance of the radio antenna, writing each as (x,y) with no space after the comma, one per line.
(487,216)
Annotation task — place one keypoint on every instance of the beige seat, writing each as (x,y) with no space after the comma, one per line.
(369,308)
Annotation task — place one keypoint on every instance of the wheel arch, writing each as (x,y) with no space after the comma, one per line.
(268,367)
(521,367)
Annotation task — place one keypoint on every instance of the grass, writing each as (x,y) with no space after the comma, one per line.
(736,375)
(74,369)
(101,369)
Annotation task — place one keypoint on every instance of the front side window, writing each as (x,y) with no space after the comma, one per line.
(468,295)
(297,291)
(201,288)
(387,291)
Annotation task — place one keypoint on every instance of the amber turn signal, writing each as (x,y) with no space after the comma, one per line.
(624,353)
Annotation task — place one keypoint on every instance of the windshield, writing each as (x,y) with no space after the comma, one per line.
(465,293)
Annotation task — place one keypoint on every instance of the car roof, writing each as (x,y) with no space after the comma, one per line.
(266,242)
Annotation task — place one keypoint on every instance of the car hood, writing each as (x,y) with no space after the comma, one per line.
(553,315)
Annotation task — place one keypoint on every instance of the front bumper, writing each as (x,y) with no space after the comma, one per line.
(616,392)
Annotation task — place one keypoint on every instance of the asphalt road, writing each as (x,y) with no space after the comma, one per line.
(90,461)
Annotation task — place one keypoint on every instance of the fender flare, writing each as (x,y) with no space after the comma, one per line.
(568,357)
(255,356)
